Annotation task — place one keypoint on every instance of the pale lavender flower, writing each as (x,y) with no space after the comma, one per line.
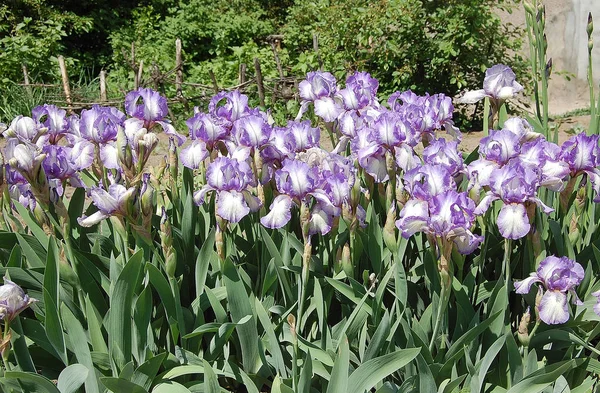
(499,85)
(52,118)
(209,128)
(559,277)
(597,306)
(515,184)
(230,179)
(13,300)
(448,215)
(100,124)
(444,153)
(114,202)
(319,88)
(500,146)
(23,128)
(582,153)
(151,111)
(426,181)
(252,130)
(234,108)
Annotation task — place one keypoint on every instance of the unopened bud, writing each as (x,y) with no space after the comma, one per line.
(173,159)
(346,262)
(291,320)
(528,7)
(549,68)
(123,149)
(147,201)
(523,332)
(538,301)
(389,230)
(590,25)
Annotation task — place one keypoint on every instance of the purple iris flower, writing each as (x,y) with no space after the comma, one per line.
(448,215)
(298,181)
(500,146)
(444,153)
(23,128)
(252,130)
(115,202)
(26,159)
(597,306)
(54,119)
(152,110)
(426,181)
(13,300)
(231,180)
(209,128)
(319,88)
(515,184)
(546,156)
(100,124)
(582,153)
(234,108)
(499,84)
(360,91)
(559,277)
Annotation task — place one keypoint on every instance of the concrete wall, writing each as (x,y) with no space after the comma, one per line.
(566,22)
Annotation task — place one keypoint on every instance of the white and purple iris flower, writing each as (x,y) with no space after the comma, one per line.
(114,202)
(499,85)
(235,105)
(13,300)
(559,277)
(301,183)
(150,111)
(516,184)
(448,215)
(100,125)
(319,88)
(582,154)
(231,179)
(53,119)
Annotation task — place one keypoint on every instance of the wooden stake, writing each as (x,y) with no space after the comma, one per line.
(259,81)
(103,86)
(242,73)
(138,78)
(277,61)
(65,83)
(179,67)
(213,78)
(26,79)
(316,49)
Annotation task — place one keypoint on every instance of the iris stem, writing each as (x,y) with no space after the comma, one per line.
(506,269)
(445,267)
(6,348)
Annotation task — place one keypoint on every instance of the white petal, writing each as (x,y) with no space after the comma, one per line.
(554,308)
(280,212)
(327,109)
(92,220)
(513,222)
(231,206)
(471,97)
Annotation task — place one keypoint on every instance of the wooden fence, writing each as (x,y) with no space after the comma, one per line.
(281,88)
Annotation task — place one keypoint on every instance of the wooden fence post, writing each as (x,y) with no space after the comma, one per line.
(65,83)
(242,73)
(178,67)
(259,81)
(103,86)
(136,79)
(26,79)
(316,49)
(213,78)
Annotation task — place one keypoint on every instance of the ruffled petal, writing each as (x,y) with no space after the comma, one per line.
(253,202)
(92,220)
(193,155)
(109,156)
(201,194)
(414,217)
(513,222)
(279,214)
(327,109)
(554,308)
(231,206)
(522,287)
(320,221)
(170,130)
(471,97)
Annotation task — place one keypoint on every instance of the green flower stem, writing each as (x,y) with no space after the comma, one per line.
(486,116)
(304,283)
(6,349)
(506,269)
(445,268)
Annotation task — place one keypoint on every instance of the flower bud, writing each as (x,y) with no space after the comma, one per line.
(538,301)
(389,230)
(590,25)
(346,261)
(528,7)
(147,196)
(523,332)
(173,160)
(291,320)
(549,68)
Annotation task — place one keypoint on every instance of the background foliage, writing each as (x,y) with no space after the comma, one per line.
(427,46)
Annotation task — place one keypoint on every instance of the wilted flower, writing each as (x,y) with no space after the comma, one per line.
(559,277)
(13,300)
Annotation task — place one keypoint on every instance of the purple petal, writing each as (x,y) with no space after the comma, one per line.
(201,194)
(513,222)
(153,107)
(279,214)
(554,308)
(170,130)
(414,217)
